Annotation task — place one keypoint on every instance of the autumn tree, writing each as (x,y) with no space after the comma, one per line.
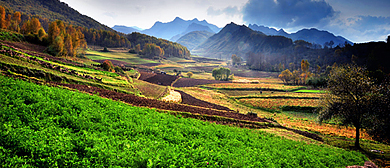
(72,38)
(350,92)
(35,25)
(108,66)
(15,22)
(286,76)
(152,51)
(189,74)
(138,48)
(305,71)
(304,66)
(17,17)
(295,77)
(2,18)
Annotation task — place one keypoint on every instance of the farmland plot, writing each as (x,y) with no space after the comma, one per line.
(50,127)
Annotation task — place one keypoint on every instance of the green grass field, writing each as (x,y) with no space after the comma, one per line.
(310,91)
(51,127)
(119,56)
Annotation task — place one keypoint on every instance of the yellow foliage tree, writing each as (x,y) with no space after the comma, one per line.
(286,76)
(2,18)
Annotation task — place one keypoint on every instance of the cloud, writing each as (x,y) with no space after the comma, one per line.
(229,11)
(288,13)
(362,28)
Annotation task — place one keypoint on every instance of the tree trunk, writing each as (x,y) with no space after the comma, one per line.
(357,136)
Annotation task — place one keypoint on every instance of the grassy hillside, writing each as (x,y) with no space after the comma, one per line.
(53,10)
(51,127)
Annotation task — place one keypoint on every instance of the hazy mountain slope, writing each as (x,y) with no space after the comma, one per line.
(194,39)
(192,27)
(124,29)
(310,35)
(175,27)
(239,40)
(53,10)
(317,36)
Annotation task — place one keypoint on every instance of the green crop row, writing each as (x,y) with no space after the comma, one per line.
(43,126)
(10,36)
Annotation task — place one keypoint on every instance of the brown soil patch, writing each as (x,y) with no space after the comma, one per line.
(157,78)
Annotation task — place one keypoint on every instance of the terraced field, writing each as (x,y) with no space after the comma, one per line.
(254,106)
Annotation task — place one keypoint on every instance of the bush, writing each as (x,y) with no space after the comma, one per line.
(105,49)
(189,74)
(221,73)
(132,51)
(119,69)
(107,65)
(317,81)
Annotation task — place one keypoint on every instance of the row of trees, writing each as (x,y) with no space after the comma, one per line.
(105,38)
(297,76)
(170,49)
(152,51)
(62,39)
(65,40)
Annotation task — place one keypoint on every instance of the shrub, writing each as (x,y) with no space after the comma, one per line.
(107,65)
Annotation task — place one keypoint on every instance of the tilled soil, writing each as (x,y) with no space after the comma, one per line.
(190,100)
(151,103)
(157,78)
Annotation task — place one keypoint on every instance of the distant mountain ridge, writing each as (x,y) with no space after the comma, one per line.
(125,29)
(192,28)
(310,35)
(176,27)
(239,40)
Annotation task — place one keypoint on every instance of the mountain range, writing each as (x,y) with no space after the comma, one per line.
(125,29)
(178,26)
(239,40)
(312,35)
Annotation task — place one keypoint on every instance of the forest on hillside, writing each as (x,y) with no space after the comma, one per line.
(34,28)
(171,49)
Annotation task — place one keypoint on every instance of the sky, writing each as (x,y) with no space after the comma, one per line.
(357,20)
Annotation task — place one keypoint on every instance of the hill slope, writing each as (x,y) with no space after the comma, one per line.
(194,39)
(310,35)
(53,10)
(192,27)
(239,40)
